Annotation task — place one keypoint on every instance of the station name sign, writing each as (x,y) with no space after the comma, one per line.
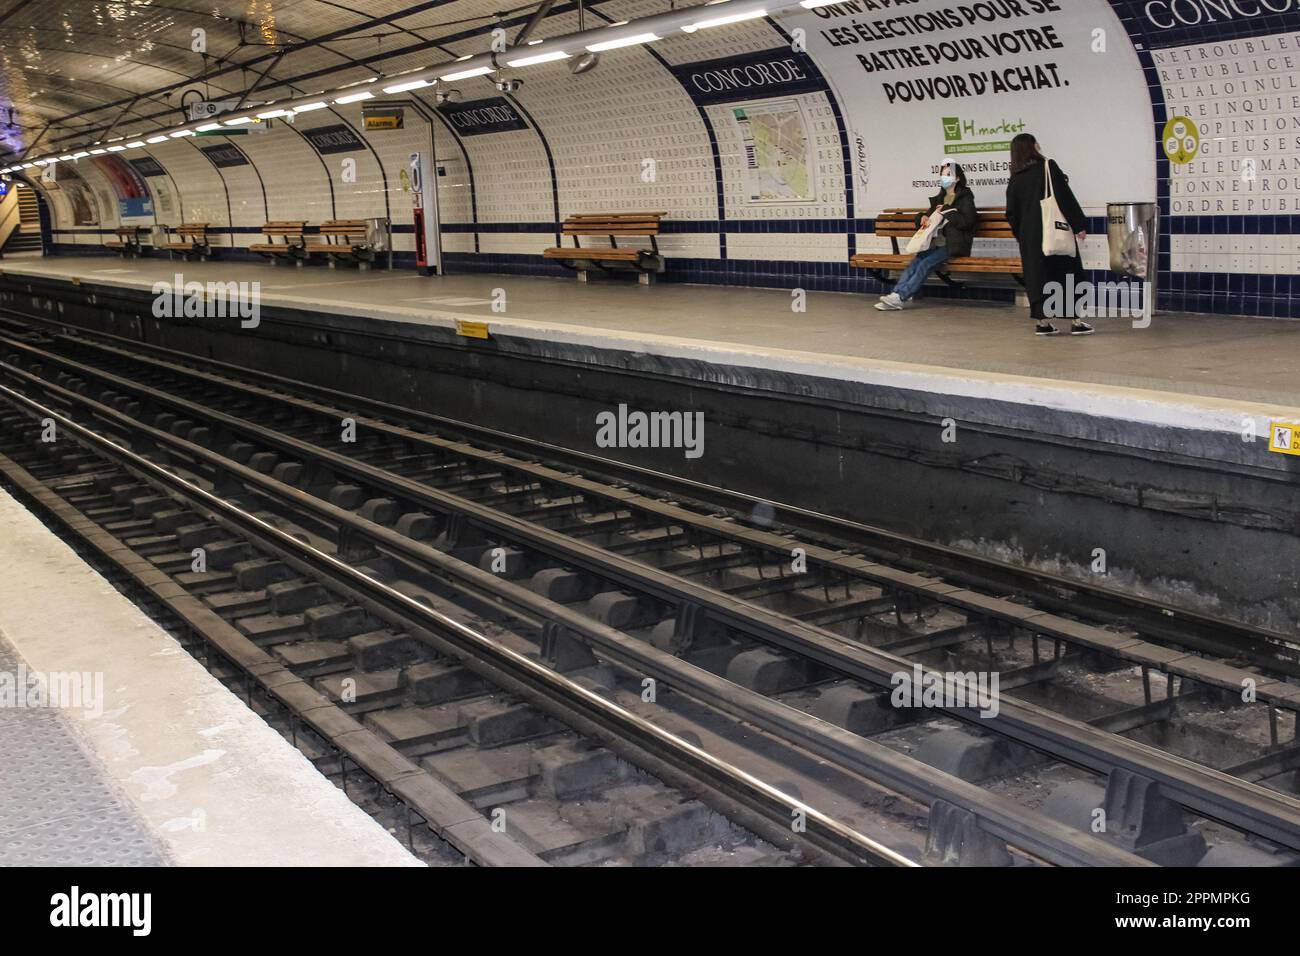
(148,166)
(334,139)
(493,115)
(224,155)
(750,76)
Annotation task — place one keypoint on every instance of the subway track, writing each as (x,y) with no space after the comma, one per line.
(772,626)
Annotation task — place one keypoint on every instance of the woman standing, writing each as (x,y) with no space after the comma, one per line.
(956,204)
(1025,193)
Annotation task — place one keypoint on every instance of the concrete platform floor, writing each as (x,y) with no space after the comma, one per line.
(1241,359)
(163,764)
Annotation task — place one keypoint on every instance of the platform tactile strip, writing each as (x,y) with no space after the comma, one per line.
(56,809)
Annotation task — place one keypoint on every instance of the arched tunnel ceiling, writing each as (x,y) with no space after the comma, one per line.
(72,70)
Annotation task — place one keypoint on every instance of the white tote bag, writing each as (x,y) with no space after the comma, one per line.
(924,236)
(1058,237)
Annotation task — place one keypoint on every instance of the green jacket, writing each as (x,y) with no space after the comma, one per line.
(959,225)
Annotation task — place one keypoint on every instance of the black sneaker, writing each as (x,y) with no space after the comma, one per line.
(1081,328)
(1045,328)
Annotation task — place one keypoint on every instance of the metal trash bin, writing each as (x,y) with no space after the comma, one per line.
(1132,230)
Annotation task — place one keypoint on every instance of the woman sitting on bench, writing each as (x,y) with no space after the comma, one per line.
(952,240)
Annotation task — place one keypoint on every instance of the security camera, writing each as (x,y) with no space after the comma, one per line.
(447,96)
(509,86)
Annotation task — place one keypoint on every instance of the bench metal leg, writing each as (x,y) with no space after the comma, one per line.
(582,275)
(646,278)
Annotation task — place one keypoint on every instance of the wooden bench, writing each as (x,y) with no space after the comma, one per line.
(901,224)
(293,244)
(347,240)
(613,257)
(192,240)
(129,241)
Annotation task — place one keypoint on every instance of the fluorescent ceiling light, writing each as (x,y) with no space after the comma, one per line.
(239,121)
(96,152)
(308,107)
(626,41)
(42,162)
(135,145)
(355,97)
(156,139)
(80,154)
(66,159)
(116,149)
(208,127)
(181,132)
(271,114)
(28,165)
(409,85)
(466,74)
(539,58)
(722,21)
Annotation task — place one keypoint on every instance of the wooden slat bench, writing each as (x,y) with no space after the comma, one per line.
(346,240)
(900,224)
(129,241)
(613,257)
(293,245)
(192,240)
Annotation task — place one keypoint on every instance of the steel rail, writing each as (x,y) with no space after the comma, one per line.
(830,834)
(1161,621)
(1040,836)
(1236,802)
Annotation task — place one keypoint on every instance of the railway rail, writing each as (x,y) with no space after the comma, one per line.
(778,626)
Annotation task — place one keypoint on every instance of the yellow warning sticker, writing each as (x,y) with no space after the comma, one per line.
(471,330)
(1284,439)
(76,280)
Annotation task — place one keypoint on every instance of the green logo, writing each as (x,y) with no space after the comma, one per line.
(951,128)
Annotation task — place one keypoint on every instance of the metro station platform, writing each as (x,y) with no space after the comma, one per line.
(948,421)
(943,342)
(154,762)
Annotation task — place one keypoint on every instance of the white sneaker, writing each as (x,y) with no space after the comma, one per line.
(890,303)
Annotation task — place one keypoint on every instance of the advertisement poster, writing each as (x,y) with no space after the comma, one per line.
(133,198)
(80,198)
(930,79)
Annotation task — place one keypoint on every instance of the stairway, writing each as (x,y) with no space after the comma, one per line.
(27,237)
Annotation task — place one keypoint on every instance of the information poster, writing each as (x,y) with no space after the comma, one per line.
(924,80)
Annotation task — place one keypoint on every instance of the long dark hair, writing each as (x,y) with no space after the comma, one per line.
(1024,152)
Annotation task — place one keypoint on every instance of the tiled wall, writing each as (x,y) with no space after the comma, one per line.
(628,136)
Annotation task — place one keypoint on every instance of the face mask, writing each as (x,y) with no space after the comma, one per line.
(947,181)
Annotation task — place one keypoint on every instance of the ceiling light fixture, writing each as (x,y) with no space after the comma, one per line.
(723,21)
(466,74)
(355,97)
(538,58)
(625,41)
(409,85)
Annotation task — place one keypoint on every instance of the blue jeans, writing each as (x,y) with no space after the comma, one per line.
(910,282)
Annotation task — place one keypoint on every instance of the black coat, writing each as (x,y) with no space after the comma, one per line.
(1024,213)
(959,225)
